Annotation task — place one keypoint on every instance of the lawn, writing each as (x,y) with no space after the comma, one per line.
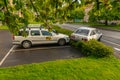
(62,30)
(87,68)
(3,28)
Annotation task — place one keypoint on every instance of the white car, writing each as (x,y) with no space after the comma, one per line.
(85,34)
(39,36)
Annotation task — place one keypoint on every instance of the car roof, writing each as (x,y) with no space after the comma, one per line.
(89,28)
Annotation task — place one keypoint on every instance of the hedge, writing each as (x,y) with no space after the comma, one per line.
(93,48)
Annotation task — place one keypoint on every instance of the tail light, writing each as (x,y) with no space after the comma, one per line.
(13,37)
(84,39)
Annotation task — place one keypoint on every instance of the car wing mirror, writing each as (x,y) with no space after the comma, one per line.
(55,31)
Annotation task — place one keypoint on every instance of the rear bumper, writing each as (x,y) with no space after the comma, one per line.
(16,42)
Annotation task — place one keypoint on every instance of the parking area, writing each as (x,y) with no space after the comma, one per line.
(5,42)
(15,55)
(40,53)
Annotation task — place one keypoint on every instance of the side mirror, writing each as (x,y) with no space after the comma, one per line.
(55,31)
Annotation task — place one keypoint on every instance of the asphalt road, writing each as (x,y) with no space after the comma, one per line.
(111,38)
(40,54)
(5,43)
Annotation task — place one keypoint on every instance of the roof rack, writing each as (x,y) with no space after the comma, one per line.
(40,27)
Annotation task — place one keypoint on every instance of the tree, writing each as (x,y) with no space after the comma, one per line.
(78,13)
(116,9)
(108,10)
(23,12)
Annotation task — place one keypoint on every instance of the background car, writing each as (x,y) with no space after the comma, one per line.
(39,36)
(85,34)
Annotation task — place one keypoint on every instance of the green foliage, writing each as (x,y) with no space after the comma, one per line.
(78,13)
(61,30)
(86,68)
(3,28)
(116,10)
(72,43)
(28,16)
(1,16)
(94,48)
(108,10)
(28,11)
(76,44)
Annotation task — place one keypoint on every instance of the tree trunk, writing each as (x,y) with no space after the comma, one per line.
(106,22)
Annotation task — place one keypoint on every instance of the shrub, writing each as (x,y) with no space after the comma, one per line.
(98,49)
(76,44)
(72,43)
(94,48)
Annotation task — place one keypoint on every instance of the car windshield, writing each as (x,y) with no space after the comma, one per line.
(82,32)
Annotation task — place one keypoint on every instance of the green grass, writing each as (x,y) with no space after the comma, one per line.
(72,69)
(98,25)
(62,30)
(3,28)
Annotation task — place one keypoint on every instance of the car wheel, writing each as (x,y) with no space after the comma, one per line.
(61,42)
(100,38)
(26,44)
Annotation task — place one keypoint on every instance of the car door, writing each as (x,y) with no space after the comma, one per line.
(99,34)
(35,36)
(47,37)
(93,35)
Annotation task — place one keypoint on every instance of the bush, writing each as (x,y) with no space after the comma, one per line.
(76,44)
(94,48)
(73,43)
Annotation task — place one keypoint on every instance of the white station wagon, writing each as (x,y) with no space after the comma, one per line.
(85,34)
(39,36)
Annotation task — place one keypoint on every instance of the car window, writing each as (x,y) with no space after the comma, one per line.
(93,33)
(21,33)
(82,32)
(35,33)
(46,33)
(97,31)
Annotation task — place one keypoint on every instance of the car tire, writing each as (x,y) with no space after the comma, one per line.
(100,38)
(26,44)
(62,42)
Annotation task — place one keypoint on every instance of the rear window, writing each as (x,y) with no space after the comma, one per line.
(35,33)
(82,32)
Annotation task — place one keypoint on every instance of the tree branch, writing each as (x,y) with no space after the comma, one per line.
(34,8)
